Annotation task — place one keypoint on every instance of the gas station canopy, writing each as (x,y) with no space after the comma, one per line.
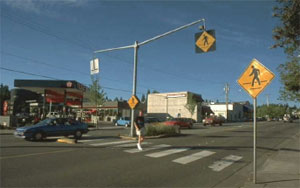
(69,92)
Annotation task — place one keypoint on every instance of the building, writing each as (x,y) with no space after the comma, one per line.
(175,105)
(109,111)
(237,111)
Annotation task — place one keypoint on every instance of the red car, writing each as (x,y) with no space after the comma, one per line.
(212,120)
(181,122)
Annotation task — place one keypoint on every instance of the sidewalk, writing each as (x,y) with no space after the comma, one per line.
(7,131)
(282,169)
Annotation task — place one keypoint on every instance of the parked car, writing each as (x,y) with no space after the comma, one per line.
(287,118)
(23,119)
(151,120)
(52,127)
(123,121)
(181,122)
(213,120)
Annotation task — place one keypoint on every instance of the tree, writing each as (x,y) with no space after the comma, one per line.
(272,111)
(97,94)
(287,36)
(143,99)
(191,104)
(290,78)
(4,95)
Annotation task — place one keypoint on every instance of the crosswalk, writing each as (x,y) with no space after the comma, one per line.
(163,150)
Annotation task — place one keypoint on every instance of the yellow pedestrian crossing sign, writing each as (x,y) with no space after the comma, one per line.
(255,78)
(133,101)
(205,41)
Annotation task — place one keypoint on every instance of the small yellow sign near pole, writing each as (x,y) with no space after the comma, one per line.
(133,101)
(254,80)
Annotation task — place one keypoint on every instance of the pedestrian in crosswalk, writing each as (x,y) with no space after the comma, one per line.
(140,129)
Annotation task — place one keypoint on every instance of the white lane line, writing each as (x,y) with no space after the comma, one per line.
(225,162)
(113,143)
(86,135)
(167,152)
(193,157)
(130,145)
(147,149)
(92,140)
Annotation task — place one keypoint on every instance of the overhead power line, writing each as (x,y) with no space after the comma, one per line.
(90,47)
(52,78)
(38,62)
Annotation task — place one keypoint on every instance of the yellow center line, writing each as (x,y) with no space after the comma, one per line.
(34,154)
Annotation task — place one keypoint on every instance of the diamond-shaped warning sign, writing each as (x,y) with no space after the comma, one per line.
(205,40)
(133,101)
(255,78)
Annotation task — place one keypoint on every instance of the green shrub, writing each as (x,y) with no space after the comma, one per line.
(160,129)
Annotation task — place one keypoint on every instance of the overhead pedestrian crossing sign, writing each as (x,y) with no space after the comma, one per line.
(205,41)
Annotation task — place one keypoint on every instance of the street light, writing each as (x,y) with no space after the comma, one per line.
(136,46)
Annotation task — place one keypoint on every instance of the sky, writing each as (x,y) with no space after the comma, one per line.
(56,39)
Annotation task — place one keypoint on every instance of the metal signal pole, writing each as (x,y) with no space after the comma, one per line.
(226,96)
(136,46)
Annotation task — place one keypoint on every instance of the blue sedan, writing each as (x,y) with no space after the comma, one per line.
(52,127)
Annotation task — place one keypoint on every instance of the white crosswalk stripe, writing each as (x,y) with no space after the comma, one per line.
(225,162)
(167,152)
(216,166)
(130,145)
(193,157)
(91,140)
(113,143)
(147,149)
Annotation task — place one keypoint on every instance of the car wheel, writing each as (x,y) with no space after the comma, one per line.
(220,124)
(78,134)
(126,125)
(38,136)
(116,124)
(190,126)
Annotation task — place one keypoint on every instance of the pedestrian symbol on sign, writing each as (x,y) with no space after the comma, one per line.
(256,73)
(205,40)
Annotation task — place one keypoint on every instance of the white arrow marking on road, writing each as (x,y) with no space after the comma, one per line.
(113,143)
(193,157)
(147,149)
(225,162)
(167,152)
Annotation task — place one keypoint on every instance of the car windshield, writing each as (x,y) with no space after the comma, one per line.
(45,122)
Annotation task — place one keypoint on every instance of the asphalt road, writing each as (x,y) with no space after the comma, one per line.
(201,157)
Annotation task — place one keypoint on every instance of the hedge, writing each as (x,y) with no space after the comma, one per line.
(161,129)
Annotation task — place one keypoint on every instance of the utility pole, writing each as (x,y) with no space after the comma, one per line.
(268,99)
(226,97)
(136,46)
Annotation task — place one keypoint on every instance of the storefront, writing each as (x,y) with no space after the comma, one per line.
(49,96)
